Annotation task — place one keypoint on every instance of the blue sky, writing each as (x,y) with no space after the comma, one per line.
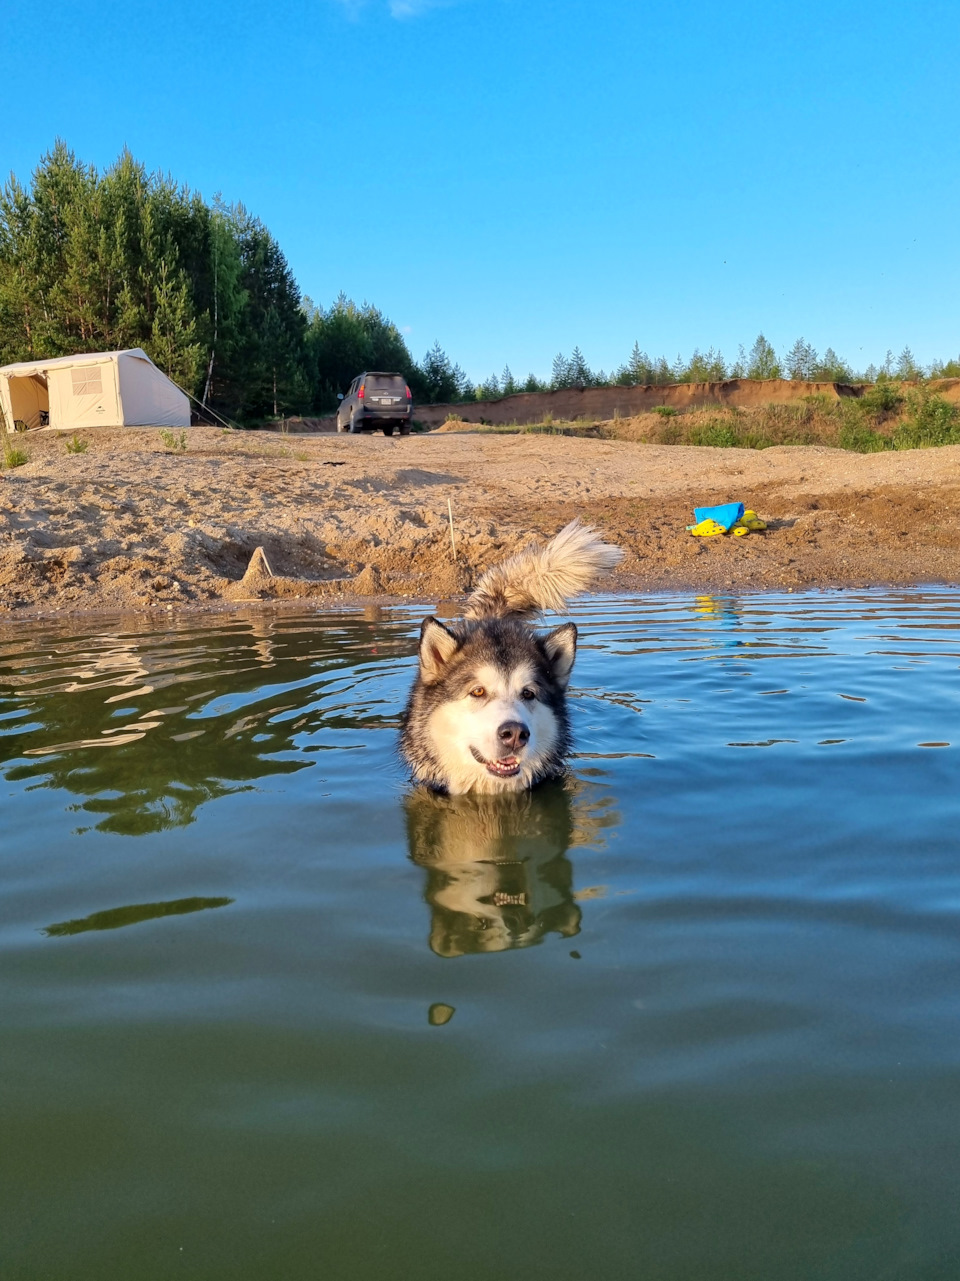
(517,178)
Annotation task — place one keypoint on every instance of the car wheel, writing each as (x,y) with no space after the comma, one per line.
(355,427)
(404,429)
(388,429)
(340,426)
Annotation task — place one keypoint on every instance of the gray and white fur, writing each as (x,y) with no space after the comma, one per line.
(488,711)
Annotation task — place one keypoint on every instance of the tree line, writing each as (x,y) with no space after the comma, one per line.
(124,258)
(94,261)
(801,362)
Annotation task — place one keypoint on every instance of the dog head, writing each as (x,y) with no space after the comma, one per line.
(488,710)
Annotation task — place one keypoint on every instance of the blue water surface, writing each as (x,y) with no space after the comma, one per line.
(269,1012)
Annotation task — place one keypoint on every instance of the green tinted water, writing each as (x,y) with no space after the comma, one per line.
(266,1014)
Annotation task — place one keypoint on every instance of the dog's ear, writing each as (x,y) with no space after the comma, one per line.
(561,649)
(437,647)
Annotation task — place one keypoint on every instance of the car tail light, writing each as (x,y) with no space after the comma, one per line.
(360,393)
(409,397)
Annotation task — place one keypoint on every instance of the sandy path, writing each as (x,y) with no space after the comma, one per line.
(128,525)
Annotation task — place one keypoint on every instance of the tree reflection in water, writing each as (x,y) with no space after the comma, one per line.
(115,918)
(146,727)
(497,873)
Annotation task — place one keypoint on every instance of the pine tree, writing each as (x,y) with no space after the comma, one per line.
(945,368)
(762,361)
(578,371)
(465,388)
(439,378)
(21,300)
(907,367)
(716,366)
(831,368)
(172,345)
(639,367)
(662,373)
(801,361)
(560,373)
(272,342)
(227,297)
(705,367)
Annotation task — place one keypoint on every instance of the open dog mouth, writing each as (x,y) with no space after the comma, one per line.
(505,767)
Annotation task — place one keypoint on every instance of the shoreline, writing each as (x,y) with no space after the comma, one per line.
(374,606)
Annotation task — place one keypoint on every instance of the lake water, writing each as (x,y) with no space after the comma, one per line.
(266,1014)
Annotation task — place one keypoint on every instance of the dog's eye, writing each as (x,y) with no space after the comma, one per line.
(478,692)
(528,694)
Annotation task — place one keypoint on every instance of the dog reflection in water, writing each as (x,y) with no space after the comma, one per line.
(497,872)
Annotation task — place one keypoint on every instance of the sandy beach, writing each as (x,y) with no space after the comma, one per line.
(128,525)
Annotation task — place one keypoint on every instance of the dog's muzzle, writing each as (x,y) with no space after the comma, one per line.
(505,767)
(513,736)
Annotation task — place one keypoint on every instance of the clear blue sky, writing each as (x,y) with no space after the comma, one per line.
(517,177)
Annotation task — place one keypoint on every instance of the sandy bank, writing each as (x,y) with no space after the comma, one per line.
(128,525)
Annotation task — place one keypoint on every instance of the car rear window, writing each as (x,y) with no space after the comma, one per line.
(384,382)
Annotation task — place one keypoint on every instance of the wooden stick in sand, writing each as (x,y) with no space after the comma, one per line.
(453,541)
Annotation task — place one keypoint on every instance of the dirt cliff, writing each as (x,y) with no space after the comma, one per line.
(623,402)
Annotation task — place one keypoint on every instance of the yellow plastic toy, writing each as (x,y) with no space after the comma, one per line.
(706,529)
(748,523)
(750,520)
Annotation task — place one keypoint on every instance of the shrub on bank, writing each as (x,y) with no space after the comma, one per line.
(930,420)
(887,416)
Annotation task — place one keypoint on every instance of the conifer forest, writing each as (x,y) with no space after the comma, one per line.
(93,261)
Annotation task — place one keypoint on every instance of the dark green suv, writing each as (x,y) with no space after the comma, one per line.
(376,399)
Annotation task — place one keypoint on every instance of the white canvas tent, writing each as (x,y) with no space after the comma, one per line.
(96,389)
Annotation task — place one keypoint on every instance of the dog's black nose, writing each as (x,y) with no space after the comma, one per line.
(513,735)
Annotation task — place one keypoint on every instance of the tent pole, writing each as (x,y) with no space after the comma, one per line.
(206,408)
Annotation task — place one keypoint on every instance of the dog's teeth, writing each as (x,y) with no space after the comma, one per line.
(505,767)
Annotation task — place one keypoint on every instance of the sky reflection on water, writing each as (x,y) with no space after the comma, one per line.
(692,1013)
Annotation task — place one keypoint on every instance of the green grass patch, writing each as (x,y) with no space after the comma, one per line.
(882,398)
(172,442)
(930,421)
(861,439)
(717,435)
(580,427)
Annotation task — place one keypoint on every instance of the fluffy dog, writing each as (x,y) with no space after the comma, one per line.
(488,711)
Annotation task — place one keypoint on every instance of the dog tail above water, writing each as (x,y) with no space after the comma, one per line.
(543,576)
